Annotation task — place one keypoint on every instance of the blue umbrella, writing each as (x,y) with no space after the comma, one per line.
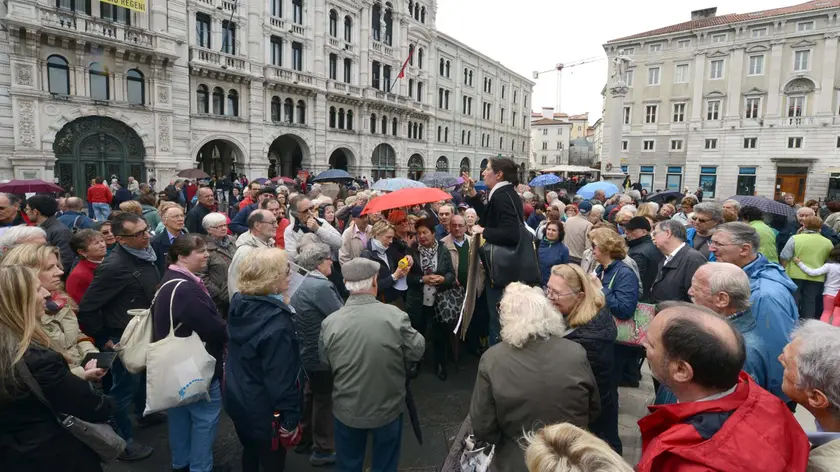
(480,185)
(544,180)
(332,175)
(588,190)
(392,185)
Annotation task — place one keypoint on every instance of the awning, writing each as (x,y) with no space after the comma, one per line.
(569,168)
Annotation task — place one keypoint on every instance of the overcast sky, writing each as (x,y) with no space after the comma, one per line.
(529,35)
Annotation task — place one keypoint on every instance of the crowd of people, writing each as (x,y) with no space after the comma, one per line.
(747,324)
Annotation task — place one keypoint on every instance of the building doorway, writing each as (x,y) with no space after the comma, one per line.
(415,167)
(286,156)
(217,158)
(791,180)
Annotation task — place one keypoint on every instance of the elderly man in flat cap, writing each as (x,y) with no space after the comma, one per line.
(366,345)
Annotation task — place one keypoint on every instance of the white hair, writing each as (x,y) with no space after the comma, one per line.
(525,314)
(597,209)
(729,278)
(18,235)
(552,195)
(213,219)
(635,195)
(627,210)
(470,211)
(818,360)
(557,203)
(654,206)
(625,199)
(734,203)
(312,255)
(359,286)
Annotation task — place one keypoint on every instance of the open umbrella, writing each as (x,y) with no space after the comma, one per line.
(663,197)
(261,180)
(332,175)
(285,180)
(29,186)
(544,180)
(439,180)
(766,205)
(193,174)
(588,190)
(480,185)
(397,183)
(405,198)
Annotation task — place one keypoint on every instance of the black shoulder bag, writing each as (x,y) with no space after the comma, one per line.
(506,264)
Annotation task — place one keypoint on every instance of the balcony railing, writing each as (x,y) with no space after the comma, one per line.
(105,29)
(286,75)
(297,29)
(222,60)
(334,42)
(797,121)
(229,5)
(382,48)
(277,22)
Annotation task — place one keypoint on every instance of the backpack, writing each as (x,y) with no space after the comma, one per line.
(138,334)
(75,228)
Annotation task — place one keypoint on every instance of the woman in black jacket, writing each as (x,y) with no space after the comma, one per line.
(591,325)
(391,279)
(431,273)
(31,438)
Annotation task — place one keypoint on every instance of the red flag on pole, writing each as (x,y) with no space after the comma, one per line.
(405,64)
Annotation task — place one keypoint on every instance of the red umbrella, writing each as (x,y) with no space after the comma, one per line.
(405,198)
(29,186)
(286,180)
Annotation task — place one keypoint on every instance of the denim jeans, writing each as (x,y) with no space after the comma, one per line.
(101,211)
(192,431)
(351,444)
(124,386)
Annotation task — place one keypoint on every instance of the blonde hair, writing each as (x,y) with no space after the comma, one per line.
(34,256)
(564,447)
(260,270)
(132,206)
(610,242)
(647,210)
(525,314)
(165,206)
(593,298)
(381,227)
(20,325)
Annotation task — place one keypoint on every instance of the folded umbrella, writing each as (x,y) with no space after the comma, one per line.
(405,198)
(588,190)
(766,205)
(29,186)
(544,180)
(397,183)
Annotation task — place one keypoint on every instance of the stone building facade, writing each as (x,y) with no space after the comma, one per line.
(261,87)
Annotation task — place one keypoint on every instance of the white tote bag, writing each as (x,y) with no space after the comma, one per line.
(138,335)
(178,370)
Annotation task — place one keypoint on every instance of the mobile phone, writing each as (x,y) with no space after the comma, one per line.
(103,359)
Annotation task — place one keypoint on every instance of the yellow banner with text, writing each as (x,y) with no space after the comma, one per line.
(136,5)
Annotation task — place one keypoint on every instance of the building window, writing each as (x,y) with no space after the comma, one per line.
(544,159)
(202,30)
(114,13)
(420,60)
(135,87)
(502,116)
(753,108)
(58,75)
(297,11)
(277,111)
(719,38)
(758,32)
(350,120)
(648,145)
(384,125)
(653,76)
(276,51)
(801,60)
(676,144)
(713,110)
(838,141)
(228,37)
(650,113)
(301,112)
(710,144)
(681,74)
(394,127)
(545,131)
(348,29)
(625,145)
(501,142)
(288,110)
(750,143)
(708,181)
(559,145)
(277,8)
(629,77)
(82,6)
(544,145)
(646,174)
(628,51)
(218,101)
(746,181)
(805,26)
(232,104)
(333,66)
(100,87)
(202,99)
(348,70)
(684,44)
(679,113)
(796,108)
(627,111)
(333,24)
(374,75)
(673,179)
(420,92)
(373,124)
(386,78)
(655,47)
(341,118)
(297,56)
(794,143)
(503,92)
(716,69)
(756,65)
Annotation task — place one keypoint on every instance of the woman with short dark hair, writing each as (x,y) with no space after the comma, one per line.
(552,251)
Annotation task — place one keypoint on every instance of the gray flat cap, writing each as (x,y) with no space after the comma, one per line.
(359,269)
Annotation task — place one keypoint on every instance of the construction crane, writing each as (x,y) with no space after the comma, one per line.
(559,69)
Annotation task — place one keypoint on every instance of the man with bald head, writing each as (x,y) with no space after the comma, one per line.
(73,217)
(698,355)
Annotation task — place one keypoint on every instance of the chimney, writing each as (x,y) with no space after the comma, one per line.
(703,14)
(548,113)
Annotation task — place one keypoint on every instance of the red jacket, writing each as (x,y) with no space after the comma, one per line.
(99,193)
(279,236)
(80,279)
(749,429)
(245,202)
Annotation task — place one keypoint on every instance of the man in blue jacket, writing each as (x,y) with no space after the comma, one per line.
(73,218)
(239,223)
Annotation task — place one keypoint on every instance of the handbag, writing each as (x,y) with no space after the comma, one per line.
(448,304)
(100,437)
(506,264)
(178,370)
(634,330)
(474,458)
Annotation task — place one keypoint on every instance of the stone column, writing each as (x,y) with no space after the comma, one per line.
(774,97)
(699,80)
(733,94)
(825,97)
(364,47)
(611,162)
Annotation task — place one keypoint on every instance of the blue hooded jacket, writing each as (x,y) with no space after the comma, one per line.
(551,254)
(263,374)
(621,289)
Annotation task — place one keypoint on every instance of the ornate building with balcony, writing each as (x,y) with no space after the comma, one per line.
(261,87)
(735,104)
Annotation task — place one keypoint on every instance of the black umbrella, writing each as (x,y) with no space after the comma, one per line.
(664,197)
(193,174)
(412,410)
(332,175)
(766,205)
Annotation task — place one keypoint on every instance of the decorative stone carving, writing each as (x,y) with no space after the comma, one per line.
(24,75)
(163,134)
(163,94)
(26,123)
(65,140)
(799,86)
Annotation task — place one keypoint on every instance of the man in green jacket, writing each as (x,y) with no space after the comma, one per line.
(755,218)
(366,345)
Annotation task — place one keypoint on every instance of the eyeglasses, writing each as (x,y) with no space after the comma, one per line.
(145,232)
(702,220)
(713,243)
(271,222)
(552,294)
(175,217)
(221,226)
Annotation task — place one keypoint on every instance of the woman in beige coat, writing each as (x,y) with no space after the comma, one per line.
(59,320)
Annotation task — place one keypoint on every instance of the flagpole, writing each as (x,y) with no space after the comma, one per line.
(405,64)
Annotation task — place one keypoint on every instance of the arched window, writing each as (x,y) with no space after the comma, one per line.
(411,54)
(463,136)
(420,135)
(442,164)
(440,132)
(218,101)
(373,123)
(446,134)
(375,23)
(350,120)
(447,68)
(417,11)
(470,78)
(465,165)
(423,15)
(410,7)
(333,24)
(135,87)
(58,75)
(384,125)
(348,29)
(394,127)
(341,118)
(441,66)
(389,24)
(420,58)
(100,88)
(233,103)
(469,137)
(301,112)
(202,99)
(332,117)
(288,110)
(416,127)
(501,143)
(276,109)
(297,11)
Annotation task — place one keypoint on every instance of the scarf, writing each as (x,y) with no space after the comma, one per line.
(428,262)
(190,276)
(379,249)
(146,254)
(223,243)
